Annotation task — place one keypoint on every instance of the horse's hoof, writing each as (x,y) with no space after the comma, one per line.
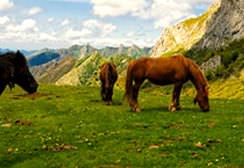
(172,108)
(108,103)
(136,109)
(178,108)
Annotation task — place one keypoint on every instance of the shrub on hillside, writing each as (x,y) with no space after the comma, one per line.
(210,75)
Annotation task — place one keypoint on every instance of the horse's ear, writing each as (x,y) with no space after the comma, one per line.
(18,53)
(101,66)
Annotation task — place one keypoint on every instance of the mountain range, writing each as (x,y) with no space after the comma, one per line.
(48,65)
(214,40)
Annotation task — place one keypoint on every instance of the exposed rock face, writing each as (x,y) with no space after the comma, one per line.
(183,35)
(211,64)
(77,51)
(221,24)
(87,50)
(225,26)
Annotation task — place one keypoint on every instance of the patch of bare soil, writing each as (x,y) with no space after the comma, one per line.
(34,96)
(23,122)
(59,147)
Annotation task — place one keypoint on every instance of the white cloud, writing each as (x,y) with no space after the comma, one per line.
(27,35)
(167,13)
(90,29)
(104,8)
(4,20)
(113,41)
(98,27)
(163,12)
(51,19)
(46,37)
(6,4)
(65,22)
(34,10)
(76,1)
(76,34)
(26,25)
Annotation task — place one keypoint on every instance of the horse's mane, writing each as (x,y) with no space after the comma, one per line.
(7,54)
(17,57)
(198,75)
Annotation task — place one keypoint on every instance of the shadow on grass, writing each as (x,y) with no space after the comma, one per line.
(165,109)
(115,102)
(9,160)
(34,96)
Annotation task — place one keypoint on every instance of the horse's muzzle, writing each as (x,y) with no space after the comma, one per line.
(33,88)
(206,110)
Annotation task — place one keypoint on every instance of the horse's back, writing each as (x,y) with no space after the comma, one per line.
(162,70)
(108,72)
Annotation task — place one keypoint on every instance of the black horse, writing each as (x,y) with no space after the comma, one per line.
(14,70)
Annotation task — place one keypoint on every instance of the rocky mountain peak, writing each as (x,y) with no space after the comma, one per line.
(226,25)
(220,24)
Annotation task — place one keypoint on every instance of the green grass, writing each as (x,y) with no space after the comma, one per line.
(96,135)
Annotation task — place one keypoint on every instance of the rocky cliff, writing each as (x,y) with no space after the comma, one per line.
(225,26)
(221,24)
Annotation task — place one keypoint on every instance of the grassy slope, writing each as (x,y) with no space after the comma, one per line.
(113,136)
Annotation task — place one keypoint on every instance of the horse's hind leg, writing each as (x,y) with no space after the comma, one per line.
(103,94)
(109,95)
(134,103)
(175,104)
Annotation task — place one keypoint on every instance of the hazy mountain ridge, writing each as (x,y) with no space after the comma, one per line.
(40,57)
(42,61)
(53,70)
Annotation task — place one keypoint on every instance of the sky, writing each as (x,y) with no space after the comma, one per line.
(37,24)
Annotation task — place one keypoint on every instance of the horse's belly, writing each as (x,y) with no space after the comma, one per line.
(167,79)
(161,81)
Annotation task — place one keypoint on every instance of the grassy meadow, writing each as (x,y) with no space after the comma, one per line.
(69,127)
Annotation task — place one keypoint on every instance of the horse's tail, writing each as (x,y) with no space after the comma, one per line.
(129,82)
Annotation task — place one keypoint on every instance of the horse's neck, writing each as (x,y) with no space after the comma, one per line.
(197,77)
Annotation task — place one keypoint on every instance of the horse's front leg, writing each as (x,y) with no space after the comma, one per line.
(175,104)
(2,87)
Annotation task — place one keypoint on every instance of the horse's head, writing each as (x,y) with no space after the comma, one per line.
(22,75)
(202,98)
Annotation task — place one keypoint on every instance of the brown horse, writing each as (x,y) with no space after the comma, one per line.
(108,77)
(14,70)
(175,70)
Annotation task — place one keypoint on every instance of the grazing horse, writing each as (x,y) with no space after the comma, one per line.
(175,70)
(108,76)
(14,70)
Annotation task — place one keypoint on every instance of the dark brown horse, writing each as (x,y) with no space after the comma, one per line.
(14,70)
(164,71)
(108,77)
